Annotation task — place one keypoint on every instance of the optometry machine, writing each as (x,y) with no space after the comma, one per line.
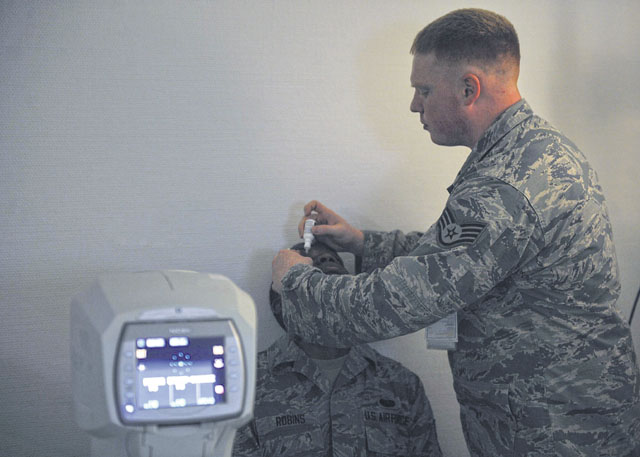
(163,363)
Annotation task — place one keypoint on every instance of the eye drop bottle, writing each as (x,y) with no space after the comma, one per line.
(308,236)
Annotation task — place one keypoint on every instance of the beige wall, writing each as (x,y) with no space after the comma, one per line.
(141,135)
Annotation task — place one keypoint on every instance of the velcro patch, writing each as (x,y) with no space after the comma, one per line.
(451,234)
(386,417)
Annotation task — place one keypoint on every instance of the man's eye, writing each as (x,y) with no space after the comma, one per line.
(423,92)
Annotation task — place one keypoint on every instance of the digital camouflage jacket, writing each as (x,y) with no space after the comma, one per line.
(376,407)
(523,251)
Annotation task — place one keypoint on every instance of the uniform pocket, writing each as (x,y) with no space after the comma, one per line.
(488,423)
(386,433)
(385,441)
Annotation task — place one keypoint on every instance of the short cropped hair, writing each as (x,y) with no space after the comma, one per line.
(469,35)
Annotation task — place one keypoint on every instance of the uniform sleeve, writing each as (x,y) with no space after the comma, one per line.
(423,438)
(486,231)
(245,443)
(380,248)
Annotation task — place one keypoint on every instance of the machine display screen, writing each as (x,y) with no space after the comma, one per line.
(179,371)
(176,372)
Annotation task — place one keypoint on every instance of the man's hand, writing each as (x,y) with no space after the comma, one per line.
(332,229)
(282,262)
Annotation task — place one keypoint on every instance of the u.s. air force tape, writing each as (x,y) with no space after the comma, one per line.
(451,234)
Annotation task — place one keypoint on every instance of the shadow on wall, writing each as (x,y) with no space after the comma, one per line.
(259,268)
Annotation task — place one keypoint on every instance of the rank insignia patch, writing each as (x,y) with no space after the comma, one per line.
(451,234)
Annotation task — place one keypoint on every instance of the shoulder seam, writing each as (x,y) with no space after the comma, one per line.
(533,208)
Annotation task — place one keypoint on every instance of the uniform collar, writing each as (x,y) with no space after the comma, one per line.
(285,355)
(499,128)
(359,359)
(284,352)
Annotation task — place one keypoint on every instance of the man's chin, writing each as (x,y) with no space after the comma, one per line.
(334,270)
(435,139)
(444,141)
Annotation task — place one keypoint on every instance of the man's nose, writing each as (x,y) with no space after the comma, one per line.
(325,258)
(415,106)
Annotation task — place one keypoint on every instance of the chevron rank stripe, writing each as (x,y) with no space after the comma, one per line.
(451,234)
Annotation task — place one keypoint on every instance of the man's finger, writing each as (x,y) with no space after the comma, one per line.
(313,205)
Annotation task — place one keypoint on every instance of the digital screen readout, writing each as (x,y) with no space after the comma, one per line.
(179,372)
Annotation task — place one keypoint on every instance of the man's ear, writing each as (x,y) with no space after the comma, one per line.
(471,88)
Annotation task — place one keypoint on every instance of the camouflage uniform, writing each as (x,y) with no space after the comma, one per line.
(523,252)
(377,407)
